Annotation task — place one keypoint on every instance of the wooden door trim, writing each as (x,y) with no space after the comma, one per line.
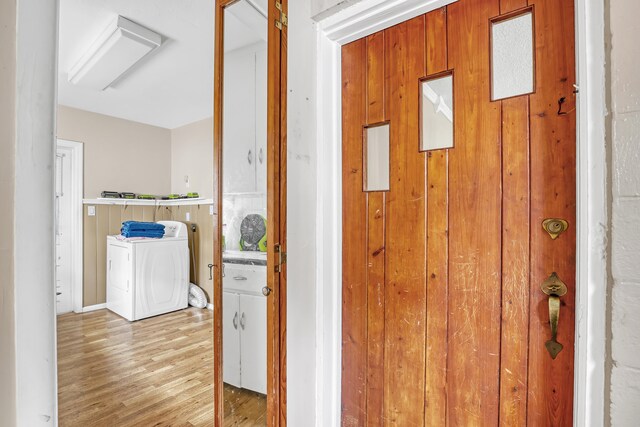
(276,213)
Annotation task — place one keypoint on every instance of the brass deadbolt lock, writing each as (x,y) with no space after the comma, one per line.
(555,226)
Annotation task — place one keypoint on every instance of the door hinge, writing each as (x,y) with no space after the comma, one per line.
(282,257)
(283,21)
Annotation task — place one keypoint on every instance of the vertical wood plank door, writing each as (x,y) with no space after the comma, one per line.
(444,321)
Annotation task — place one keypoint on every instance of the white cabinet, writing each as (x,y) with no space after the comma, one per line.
(261,119)
(244,129)
(244,327)
(231,338)
(253,342)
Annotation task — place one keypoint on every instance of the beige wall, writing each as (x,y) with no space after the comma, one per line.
(108,220)
(119,155)
(7,161)
(192,155)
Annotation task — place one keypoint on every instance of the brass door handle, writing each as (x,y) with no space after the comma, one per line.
(555,288)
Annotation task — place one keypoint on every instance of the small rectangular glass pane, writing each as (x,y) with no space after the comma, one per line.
(512,69)
(436,108)
(376,148)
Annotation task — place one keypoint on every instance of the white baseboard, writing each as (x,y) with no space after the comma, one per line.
(94,307)
(210,306)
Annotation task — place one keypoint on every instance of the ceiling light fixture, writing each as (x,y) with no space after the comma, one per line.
(120,46)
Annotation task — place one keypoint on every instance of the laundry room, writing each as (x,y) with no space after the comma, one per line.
(135,154)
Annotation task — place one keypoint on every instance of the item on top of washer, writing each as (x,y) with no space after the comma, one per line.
(173,197)
(253,233)
(146,197)
(110,195)
(142,229)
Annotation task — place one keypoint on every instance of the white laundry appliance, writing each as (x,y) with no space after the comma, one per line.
(147,277)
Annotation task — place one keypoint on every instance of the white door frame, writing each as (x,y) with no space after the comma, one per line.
(76,158)
(369,16)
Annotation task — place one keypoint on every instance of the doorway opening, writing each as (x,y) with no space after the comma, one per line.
(135,85)
(68,226)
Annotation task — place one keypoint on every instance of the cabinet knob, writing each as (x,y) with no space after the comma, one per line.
(266,291)
(250,157)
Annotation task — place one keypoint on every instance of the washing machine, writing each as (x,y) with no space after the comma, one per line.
(147,277)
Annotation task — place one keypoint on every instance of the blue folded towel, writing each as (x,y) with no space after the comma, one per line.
(142,229)
(138,225)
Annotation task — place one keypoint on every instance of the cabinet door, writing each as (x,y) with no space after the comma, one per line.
(253,342)
(231,339)
(239,128)
(261,117)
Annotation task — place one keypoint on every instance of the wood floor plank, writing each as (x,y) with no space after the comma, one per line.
(515,261)
(354,291)
(474,222)
(553,195)
(437,242)
(375,244)
(153,372)
(405,299)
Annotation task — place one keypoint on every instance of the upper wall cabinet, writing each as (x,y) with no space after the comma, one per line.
(245,119)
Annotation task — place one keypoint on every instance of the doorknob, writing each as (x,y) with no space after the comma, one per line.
(554,288)
(266,291)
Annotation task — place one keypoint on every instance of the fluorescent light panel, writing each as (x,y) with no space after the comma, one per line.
(120,46)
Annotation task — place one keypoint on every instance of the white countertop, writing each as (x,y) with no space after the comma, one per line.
(260,256)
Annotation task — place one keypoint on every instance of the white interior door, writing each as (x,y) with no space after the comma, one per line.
(63,231)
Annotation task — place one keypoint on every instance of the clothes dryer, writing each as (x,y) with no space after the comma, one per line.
(148,277)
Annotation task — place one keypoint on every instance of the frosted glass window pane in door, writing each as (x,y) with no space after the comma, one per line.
(436,110)
(376,148)
(512,69)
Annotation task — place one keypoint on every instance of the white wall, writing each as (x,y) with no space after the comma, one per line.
(192,156)
(7,169)
(35,324)
(625,234)
(301,217)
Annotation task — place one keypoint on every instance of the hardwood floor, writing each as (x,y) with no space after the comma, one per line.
(244,408)
(153,372)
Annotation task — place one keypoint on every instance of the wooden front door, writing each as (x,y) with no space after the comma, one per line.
(444,319)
